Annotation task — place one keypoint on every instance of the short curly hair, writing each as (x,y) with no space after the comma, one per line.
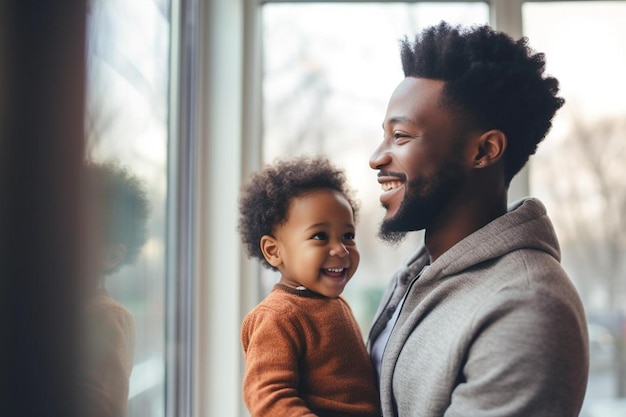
(492,81)
(122,206)
(266,197)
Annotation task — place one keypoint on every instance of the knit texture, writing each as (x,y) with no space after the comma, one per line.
(305,356)
(110,344)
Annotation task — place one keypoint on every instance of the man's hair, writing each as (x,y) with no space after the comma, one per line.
(120,204)
(492,81)
(266,197)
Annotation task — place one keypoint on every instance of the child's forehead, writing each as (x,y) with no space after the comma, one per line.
(321,203)
(318,195)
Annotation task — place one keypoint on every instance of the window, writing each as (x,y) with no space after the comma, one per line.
(127,125)
(329,70)
(578,172)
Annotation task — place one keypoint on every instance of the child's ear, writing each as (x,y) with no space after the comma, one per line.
(269,247)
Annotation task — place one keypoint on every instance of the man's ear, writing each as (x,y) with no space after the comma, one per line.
(271,252)
(490,147)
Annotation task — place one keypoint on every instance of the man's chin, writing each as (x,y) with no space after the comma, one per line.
(389,234)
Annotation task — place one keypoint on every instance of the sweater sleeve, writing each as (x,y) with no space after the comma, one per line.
(272,347)
(527,358)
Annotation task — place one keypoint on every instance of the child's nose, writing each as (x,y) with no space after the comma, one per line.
(338,250)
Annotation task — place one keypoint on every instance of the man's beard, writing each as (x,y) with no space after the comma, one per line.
(424,198)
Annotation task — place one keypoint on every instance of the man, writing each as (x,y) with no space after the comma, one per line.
(482,321)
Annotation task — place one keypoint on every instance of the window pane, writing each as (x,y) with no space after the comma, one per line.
(329,70)
(127,102)
(579,173)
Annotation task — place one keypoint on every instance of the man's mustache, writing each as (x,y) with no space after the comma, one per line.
(397,175)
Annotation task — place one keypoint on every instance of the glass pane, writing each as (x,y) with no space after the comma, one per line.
(329,70)
(126,128)
(579,173)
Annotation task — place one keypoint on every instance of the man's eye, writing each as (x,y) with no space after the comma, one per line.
(400,135)
(320,236)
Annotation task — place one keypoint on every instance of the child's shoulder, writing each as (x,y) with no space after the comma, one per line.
(277,310)
(282,301)
(288,302)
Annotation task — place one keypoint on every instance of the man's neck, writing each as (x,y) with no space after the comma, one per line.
(461,222)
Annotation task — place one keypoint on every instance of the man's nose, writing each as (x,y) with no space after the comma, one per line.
(380,157)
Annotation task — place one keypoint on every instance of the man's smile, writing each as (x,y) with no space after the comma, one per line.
(390,185)
(390,180)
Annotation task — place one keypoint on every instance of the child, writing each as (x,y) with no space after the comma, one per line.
(118,206)
(304,352)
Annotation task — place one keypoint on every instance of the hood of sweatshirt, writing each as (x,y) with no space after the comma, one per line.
(525,226)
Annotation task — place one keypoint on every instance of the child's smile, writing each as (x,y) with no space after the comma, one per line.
(315,247)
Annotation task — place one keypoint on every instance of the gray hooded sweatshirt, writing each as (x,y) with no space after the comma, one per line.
(494,327)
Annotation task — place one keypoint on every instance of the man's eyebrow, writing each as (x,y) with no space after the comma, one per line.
(398,119)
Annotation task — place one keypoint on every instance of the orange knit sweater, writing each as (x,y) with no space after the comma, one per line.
(110,344)
(305,356)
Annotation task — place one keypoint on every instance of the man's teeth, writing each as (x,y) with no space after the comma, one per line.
(390,185)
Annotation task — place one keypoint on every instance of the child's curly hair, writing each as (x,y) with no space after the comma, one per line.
(492,81)
(266,197)
(123,207)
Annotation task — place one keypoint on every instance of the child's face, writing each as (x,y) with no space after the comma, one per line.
(315,247)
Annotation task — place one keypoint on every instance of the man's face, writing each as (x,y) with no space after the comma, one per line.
(420,158)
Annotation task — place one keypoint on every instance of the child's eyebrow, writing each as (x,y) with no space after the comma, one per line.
(316,225)
(326,224)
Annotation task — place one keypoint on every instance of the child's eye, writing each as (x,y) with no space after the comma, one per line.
(320,236)
(349,236)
